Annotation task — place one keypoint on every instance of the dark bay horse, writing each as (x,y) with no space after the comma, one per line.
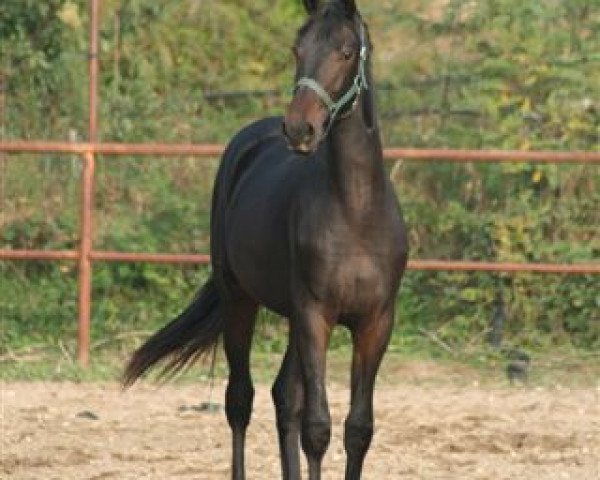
(305,222)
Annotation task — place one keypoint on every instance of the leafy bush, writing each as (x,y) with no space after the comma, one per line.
(495,74)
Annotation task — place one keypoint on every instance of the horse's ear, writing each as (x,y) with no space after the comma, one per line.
(350,7)
(311,5)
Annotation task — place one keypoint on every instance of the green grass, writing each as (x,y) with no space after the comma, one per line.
(417,360)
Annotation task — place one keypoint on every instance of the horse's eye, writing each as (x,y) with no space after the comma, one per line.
(347,52)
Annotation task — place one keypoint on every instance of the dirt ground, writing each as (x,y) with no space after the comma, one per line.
(423,431)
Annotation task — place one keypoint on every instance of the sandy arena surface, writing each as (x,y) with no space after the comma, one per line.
(95,431)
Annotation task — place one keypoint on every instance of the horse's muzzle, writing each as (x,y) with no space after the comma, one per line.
(304,122)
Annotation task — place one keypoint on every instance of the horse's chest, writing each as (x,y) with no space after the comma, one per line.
(357,281)
(350,280)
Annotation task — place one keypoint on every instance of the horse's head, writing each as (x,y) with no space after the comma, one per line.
(331,54)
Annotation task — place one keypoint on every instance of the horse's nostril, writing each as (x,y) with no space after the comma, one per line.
(298,133)
(309,133)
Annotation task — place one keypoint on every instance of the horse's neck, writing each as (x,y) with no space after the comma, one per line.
(356,160)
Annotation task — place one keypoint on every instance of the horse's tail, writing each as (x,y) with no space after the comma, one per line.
(189,336)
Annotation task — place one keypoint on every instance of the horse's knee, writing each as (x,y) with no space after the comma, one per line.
(316,434)
(238,403)
(287,409)
(357,437)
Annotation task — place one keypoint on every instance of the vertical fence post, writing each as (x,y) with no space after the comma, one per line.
(93,72)
(85,261)
(87,197)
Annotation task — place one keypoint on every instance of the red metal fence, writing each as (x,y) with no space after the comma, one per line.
(86,255)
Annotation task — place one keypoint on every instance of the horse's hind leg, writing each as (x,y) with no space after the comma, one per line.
(239,327)
(370,341)
(287,395)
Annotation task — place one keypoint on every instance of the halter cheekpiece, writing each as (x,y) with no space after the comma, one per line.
(359,83)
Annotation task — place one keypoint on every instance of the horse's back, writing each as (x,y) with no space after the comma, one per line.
(253,134)
(260,147)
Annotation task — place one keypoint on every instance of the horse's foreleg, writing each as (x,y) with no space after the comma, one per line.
(239,327)
(312,338)
(288,398)
(369,344)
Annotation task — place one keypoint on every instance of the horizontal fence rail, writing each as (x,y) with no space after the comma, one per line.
(203,259)
(86,255)
(216,150)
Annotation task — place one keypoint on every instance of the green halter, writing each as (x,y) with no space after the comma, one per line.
(360,82)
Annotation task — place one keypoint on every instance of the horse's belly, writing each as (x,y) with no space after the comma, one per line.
(259,260)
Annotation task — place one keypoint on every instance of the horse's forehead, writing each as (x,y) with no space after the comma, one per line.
(325,30)
(329,21)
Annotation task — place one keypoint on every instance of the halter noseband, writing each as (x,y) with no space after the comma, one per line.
(359,82)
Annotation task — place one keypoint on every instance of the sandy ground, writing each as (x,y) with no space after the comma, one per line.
(95,431)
